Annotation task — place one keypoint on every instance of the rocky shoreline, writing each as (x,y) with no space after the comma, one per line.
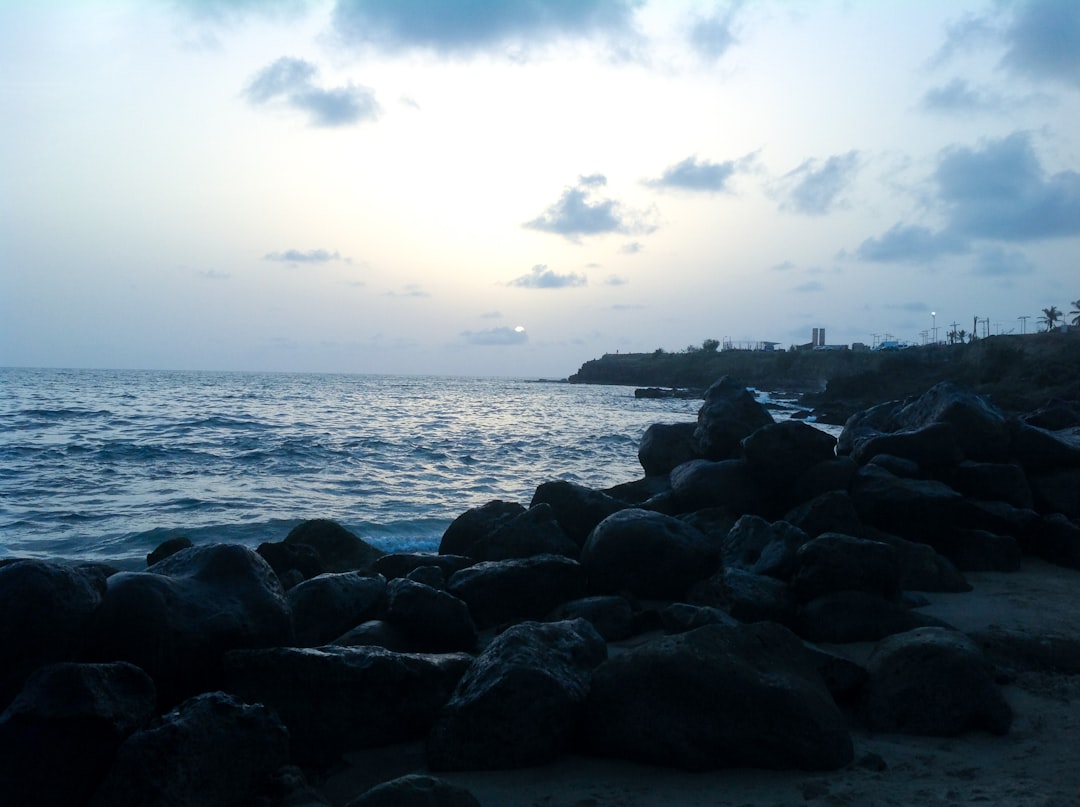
(697,619)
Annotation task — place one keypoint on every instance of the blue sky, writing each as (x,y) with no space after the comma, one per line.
(497,188)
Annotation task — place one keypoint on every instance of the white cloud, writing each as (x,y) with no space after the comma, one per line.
(496,336)
(291,82)
(579,212)
(540,277)
(815,187)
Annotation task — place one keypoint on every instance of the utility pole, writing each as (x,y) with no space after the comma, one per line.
(1023,324)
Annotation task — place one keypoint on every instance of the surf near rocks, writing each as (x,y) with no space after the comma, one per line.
(677,619)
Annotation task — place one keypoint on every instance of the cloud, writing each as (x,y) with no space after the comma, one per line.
(1001,263)
(959,96)
(911,243)
(312,256)
(912,307)
(632,248)
(540,277)
(615,280)
(462,29)
(1000,192)
(578,212)
(291,82)
(1043,41)
(711,37)
(496,336)
(694,175)
(213,274)
(783,266)
(203,20)
(814,187)
(411,290)
(810,286)
(968,33)
(491,315)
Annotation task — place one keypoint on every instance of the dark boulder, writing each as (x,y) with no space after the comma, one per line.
(577,508)
(1055,415)
(533,532)
(832,511)
(932,682)
(46,608)
(831,475)
(978,426)
(1040,449)
(1057,491)
(746,596)
(377,633)
(611,615)
(1057,540)
(339,550)
(681,617)
(917,509)
(648,554)
(415,790)
(898,466)
(520,702)
(728,414)
(334,699)
(727,484)
(983,551)
(762,547)
(434,620)
(329,604)
(476,524)
(782,452)
(212,750)
(293,563)
(930,448)
(666,445)
(992,481)
(717,697)
(166,548)
(856,616)
(837,562)
(177,619)
(72,718)
(512,590)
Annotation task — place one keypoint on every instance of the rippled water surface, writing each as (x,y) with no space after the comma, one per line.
(107,464)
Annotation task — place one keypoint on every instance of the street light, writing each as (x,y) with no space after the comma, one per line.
(934,315)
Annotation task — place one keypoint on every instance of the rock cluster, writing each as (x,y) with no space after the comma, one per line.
(713,582)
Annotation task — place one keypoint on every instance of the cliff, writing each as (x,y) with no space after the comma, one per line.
(1018,373)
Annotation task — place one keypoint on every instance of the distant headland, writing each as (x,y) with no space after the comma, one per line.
(1018,372)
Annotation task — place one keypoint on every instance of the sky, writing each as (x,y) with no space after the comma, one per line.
(495,188)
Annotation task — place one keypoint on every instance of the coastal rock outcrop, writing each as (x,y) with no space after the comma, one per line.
(729,414)
(667,445)
(327,605)
(338,549)
(513,590)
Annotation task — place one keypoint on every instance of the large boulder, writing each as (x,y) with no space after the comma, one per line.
(612,615)
(338,549)
(992,481)
(922,510)
(72,717)
(46,608)
(402,564)
(434,620)
(746,596)
(717,697)
(932,682)
(837,562)
(577,508)
(177,619)
(728,414)
(520,702)
(334,699)
(930,448)
(726,484)
(666,445)
(327,605)
(475,524)
(762,547)
(840,617)
(782,452)
(533,532)
(212,750)
(648,554)
(504,591)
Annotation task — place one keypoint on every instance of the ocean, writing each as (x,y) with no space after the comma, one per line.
(107,464)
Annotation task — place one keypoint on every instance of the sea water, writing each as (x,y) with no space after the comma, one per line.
(106,465)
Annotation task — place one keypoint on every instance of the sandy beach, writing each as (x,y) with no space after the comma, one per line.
(1037,764)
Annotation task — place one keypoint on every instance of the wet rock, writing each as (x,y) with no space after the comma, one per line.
(718,697)
(212,750)
(782,452)
(293,563)
(762,547)
(611,615)
(746,596)
(648,554)
(534,532)
(837,562)
(377,633)
(520,702)
(166,548)
(856,616)
(728,484)
(932,682)
(402,564)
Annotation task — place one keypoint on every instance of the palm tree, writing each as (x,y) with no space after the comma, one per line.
(1050,317)
(1075,313)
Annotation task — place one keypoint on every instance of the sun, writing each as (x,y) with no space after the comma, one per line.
(520,329)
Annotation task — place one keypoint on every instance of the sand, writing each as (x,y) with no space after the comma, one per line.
(1036,764)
